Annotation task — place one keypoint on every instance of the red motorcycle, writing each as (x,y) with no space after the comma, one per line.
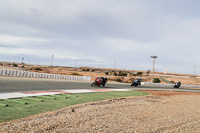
(99,81)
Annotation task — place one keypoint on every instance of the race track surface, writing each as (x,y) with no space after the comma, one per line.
(17,84)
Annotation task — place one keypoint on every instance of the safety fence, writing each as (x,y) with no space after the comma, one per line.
(20,73)
(169,85)
(157,84)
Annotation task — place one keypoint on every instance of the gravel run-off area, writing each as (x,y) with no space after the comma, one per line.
(159,112)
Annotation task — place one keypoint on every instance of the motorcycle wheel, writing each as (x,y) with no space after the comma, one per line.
(92,84)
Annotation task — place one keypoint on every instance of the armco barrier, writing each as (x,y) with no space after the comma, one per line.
(20,73)
(157,84)
(169,85)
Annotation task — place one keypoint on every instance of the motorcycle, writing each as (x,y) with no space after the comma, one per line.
(136,82)
(177,85)
(100,81)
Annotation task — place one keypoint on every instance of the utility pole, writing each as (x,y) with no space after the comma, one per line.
(52,62)
(115,64)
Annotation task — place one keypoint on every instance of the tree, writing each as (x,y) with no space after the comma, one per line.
(115,74)
(156,80)
(139,73)
(148,72)
(124,74)
(15,65)
(120,73)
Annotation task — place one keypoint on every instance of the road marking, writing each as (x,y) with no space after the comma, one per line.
(43,93)
(102,90)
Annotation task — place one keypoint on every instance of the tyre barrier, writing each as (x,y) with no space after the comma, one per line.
(20,73)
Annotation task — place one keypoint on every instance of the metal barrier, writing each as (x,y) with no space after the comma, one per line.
(20,73)
(169,85)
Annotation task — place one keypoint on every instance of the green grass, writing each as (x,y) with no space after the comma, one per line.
(16,111)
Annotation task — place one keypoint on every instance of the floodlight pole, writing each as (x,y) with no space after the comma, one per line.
(52,62)
(154,57)
(22,60)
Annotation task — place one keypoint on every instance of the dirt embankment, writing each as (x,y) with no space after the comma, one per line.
(159,112)
(99,72)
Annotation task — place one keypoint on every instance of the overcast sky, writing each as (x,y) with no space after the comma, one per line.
(95,33)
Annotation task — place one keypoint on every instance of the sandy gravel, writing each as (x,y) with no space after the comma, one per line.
(154,113)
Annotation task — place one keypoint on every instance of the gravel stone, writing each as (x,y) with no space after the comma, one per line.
(163,114)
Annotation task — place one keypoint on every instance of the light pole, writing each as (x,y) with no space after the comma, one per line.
(52,62)
(194,71)
(115,64)
(154,57)
(22,60)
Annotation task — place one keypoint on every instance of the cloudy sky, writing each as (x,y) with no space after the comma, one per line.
(98,33)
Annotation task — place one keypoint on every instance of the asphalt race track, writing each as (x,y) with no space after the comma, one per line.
(18,84)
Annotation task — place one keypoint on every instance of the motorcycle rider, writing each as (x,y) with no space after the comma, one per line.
(139,81)
(135,83)
(100,81)
(104,80)
(177,85)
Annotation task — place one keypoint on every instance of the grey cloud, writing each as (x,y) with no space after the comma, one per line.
(99,32)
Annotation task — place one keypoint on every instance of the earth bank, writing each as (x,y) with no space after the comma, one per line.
(159,112)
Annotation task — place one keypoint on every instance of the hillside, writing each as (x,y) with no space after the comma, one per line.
(118,75)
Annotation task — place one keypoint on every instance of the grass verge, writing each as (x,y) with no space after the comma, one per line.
(17,111)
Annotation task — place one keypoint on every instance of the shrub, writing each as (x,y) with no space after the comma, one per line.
(115,74)
(74,73)
(139,73)
(156,80)
(172,82)
(106,73)
(147,73)
(119,80)
(120,73)
(124,74)
(15,65)
(38,69)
